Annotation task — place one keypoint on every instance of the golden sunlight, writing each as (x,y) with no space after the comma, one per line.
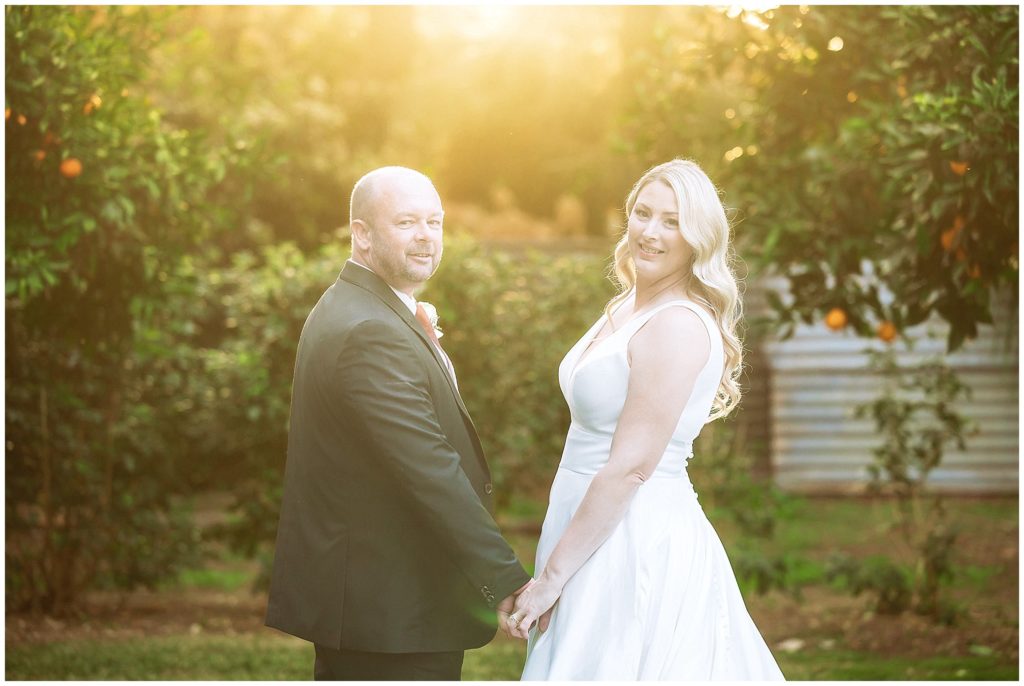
(479,22)
(734,10)
(753,13)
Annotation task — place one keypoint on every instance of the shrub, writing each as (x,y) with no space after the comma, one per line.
(508,318)
(101,199)
(915,418)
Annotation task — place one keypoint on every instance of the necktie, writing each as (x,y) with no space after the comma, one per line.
(428,328)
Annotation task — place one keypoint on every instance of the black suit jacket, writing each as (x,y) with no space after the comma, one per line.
(386,541)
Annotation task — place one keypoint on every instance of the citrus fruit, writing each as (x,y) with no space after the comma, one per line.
(959,168)
(836,318)
(70,168)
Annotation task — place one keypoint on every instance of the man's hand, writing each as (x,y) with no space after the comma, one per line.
(534,602)
(505,608)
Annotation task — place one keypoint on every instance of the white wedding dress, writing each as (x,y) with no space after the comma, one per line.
(658,600)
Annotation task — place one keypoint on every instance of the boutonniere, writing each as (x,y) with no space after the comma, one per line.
(432,316)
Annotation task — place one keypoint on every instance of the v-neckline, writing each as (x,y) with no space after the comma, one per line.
(592,344)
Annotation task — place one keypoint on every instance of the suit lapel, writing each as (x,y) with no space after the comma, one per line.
(366,279)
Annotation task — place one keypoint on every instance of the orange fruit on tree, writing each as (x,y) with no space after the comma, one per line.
(22,120)
(70,168)
(887,331)
(836,318)
(92,104)
(949,236)
(947,239)
(40,155)
(974,271)
(959,168)
(7,113)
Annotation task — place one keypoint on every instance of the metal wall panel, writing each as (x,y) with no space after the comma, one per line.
(818,377)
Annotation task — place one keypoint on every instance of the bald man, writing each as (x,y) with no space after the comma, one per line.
(388,558)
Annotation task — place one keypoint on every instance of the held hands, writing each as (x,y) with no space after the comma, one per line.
(504,609)
(533,604)
(506,605)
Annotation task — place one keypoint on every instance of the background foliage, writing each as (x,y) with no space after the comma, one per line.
(102,198)
(176,180)
(873,151)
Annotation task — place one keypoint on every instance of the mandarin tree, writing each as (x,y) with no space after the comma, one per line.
(872,152)
(93,224)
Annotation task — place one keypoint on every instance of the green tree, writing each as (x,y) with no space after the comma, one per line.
(870,151)
(337,91)
(101,199)
(320,86)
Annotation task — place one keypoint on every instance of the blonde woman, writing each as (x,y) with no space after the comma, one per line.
(632,580)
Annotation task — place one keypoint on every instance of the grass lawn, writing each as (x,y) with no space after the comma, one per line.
(247,657)
(250,657)
(853,666)
(985,554)
(207,625)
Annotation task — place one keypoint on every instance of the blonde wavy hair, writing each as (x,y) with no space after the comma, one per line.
(710,281)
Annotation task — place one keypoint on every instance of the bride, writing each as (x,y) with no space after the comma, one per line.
(633,581)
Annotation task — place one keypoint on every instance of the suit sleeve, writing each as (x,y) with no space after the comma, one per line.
(384,390)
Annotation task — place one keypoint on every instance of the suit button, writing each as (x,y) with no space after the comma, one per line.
(488,488)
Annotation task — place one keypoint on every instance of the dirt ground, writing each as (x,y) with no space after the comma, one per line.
(823,618)
(988,616)
(110,616)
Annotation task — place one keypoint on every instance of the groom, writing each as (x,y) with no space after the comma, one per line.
(387,556)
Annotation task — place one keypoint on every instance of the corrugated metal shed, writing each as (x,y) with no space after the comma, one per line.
(818,377)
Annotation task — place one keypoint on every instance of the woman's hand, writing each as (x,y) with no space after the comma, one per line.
(505,608)
(538,598)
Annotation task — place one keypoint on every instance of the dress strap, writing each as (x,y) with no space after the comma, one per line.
(709,323)
(646,316)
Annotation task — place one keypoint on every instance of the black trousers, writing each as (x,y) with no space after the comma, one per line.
(351,665)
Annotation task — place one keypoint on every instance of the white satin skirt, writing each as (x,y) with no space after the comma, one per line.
(657,601)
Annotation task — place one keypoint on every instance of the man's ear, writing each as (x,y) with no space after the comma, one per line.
(360,235)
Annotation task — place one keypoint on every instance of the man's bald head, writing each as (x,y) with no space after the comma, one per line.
(373,186)
(396,219)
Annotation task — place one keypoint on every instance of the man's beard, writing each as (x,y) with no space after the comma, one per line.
(401,271)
